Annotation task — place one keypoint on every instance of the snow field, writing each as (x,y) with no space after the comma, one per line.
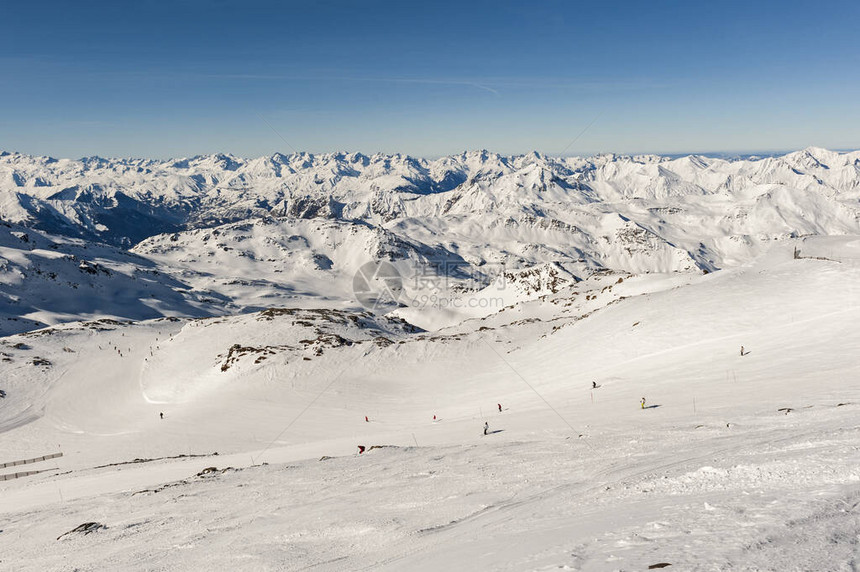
(576,478)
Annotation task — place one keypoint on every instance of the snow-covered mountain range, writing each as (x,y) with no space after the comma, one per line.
(663,352)
(219,233)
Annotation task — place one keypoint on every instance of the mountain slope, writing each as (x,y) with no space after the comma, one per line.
(48,279)
(740,461)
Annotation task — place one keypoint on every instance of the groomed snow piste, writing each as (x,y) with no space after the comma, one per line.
(737,462)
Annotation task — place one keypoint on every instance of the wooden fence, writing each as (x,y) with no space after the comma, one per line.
(28,461)
(11,476)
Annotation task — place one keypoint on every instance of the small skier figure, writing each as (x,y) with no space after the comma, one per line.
(593,385)
(434,418)
(742,350)
(486,427)
(500,407)
(642,403)
(360,449)
(161,415)
(366,420)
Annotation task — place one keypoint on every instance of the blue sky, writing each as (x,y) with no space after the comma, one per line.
(162,79)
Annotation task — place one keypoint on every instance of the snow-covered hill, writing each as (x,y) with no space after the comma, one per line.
(739,462)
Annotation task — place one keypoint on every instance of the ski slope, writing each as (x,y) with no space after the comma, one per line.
(738,463)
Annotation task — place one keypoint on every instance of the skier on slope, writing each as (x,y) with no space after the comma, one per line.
(593,385)
(486,427)
(642,403)
(500,407)
(161,415)
(742,350)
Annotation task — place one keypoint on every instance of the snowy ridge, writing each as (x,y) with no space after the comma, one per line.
(123,201)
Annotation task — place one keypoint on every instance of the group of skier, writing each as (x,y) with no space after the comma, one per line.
(486,423)
(593,386)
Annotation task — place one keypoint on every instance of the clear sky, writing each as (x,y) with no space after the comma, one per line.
(180,78)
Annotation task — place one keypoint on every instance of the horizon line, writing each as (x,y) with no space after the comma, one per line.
(715,154)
